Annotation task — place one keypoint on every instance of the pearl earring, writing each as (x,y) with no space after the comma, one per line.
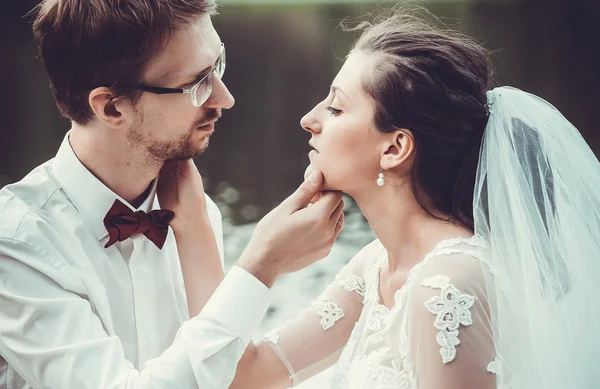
(380,180)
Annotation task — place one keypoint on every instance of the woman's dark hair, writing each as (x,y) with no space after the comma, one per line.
(432,82)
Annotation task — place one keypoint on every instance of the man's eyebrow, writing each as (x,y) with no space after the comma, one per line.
(204,72)
(336,89)
(197,76)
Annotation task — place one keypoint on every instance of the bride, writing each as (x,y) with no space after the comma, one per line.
(486,208)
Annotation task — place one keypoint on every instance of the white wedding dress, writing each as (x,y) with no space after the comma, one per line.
(436,335)
(514,307)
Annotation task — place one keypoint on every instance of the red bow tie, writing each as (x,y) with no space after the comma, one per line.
(121,222)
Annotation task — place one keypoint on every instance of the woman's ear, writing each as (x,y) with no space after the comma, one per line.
(399,149)
(111,110)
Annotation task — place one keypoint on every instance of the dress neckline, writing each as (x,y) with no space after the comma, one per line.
(443,244)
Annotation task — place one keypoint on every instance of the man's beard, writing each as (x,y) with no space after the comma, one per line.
(174,149)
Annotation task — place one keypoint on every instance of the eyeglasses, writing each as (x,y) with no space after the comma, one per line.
(200,91)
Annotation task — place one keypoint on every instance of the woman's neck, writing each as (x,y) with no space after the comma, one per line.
(404,228)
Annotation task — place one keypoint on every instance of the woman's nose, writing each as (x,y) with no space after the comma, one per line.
(310,123)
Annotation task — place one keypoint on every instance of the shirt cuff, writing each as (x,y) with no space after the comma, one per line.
(239,303)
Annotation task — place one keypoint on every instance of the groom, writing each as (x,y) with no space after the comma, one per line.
(100,287)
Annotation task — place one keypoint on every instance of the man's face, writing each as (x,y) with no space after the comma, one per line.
(168,126)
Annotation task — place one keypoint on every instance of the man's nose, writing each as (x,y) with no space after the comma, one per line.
(220,96)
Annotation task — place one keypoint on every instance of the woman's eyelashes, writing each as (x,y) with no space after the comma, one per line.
(333,111)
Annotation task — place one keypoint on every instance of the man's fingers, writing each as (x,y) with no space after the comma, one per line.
(339,226)
(328,203)
(307,190)
(316,198)
(339,210)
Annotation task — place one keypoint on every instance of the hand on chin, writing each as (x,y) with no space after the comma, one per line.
(309,169)
(324,188)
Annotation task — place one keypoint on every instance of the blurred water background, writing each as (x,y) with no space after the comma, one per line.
(282,56)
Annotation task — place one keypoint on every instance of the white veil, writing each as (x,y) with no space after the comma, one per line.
(537,201)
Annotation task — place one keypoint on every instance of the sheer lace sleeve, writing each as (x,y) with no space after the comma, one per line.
(449,332)
(314,339)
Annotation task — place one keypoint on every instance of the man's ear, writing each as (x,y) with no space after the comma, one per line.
(111,110)
(399,148)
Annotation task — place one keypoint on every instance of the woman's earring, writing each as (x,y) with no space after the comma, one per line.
(380,180)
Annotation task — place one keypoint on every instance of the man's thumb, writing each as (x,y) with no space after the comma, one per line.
(307,190)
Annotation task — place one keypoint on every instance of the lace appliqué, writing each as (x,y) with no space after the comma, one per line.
(329,312)
(272,336)
(377,318)
(373,370)
(452,310)
(494,367)
(354,284)
(403,379)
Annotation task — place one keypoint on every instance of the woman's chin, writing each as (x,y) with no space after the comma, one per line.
(326,183)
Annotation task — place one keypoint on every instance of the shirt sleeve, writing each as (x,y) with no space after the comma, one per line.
(449,329)
(313,340)
(52,337)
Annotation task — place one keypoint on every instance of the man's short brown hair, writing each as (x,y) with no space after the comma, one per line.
(85,44)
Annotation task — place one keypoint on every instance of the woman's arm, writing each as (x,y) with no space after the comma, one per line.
(197,226)
(449,331)
(199,255)
(313,340)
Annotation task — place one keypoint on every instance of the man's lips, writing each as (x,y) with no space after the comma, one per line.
(212,117)
(207,124)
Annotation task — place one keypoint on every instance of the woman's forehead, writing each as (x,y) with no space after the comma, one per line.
(358,65)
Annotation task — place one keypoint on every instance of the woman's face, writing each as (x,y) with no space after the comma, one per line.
(345,141)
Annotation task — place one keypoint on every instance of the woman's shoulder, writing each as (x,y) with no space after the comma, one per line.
(369,254)
(363,262)
(459,261)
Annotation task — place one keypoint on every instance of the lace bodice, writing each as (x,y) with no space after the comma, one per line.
(435,335)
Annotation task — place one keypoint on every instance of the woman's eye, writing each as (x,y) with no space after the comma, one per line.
(333,111)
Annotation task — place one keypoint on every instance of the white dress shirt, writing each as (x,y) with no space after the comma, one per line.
(75,315)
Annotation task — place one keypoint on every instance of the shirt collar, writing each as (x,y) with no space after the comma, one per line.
(88,194)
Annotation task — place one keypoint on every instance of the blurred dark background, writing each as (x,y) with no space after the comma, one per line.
(282,57)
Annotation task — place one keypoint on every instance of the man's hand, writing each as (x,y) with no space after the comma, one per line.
(180,189)
(293,236)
